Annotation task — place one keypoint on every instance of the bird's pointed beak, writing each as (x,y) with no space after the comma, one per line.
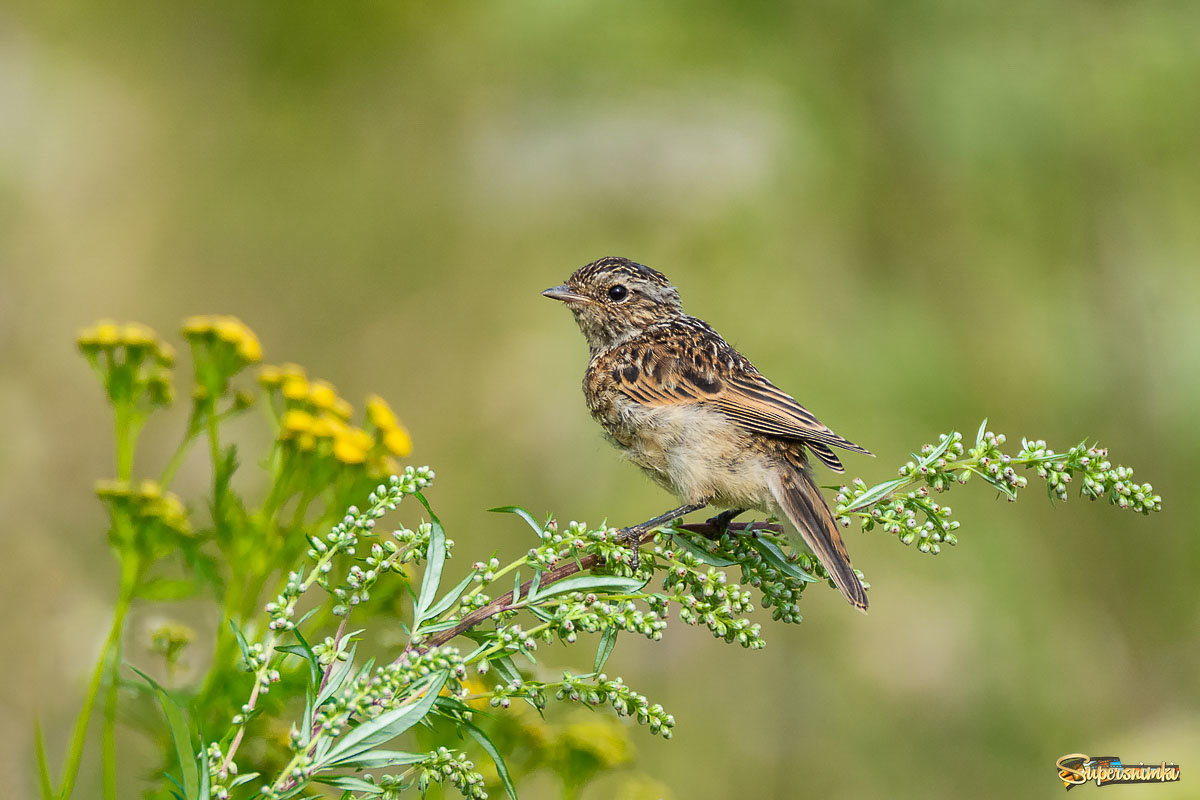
(564,294)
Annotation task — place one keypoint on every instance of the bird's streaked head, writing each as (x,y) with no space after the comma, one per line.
(615,299)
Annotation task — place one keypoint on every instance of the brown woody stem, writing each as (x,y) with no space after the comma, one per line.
(555,574)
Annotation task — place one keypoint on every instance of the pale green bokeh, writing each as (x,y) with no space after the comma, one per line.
(909,214)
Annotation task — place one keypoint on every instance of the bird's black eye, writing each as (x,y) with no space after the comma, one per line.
(617,293)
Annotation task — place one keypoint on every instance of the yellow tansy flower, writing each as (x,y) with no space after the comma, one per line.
(342,408)
(165,354)
(249,348)
(134,334)
(296,421)
(107,334)
(295,387)
(322,395)
(149,489)
(198,325)
(348,447)
(238,334)
(326,426)
(397,441)
(270,377)
(380,413)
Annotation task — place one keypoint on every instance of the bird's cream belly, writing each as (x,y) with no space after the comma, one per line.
(697,454)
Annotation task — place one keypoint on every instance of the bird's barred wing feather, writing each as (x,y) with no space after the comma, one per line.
(708,371)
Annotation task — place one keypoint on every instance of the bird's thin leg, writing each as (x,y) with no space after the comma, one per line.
(633,534)
(721,522)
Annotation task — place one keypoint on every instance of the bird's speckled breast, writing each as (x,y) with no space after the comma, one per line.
(693,451)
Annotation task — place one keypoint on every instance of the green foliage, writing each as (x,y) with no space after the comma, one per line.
(370,719)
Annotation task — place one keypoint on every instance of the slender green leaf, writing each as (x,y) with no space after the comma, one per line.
(446,704)
(45,783)
(507,669)
(607,642)
(310,656)
(534,585)
(486,743)
(245,778)
(307,614)
(516,598)
(450,598)
(243,645)
(389,724)
(181,735)
(1000,486)
(349,783)
(703,555)
(434,627)
(775,557)
(938,451)
(523,514)
(435,560)
(202,791)
(982,431)
(593,583)
(875,494)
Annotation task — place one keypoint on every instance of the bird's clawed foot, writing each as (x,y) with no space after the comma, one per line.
(720,523)
(632,536)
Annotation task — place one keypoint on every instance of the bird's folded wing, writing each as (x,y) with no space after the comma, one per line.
(744,395)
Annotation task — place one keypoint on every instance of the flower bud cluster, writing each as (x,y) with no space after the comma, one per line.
(170,639)
(912,517)
(600,689)
(936,467)
(705,596)
(1100,477)
(386,687)
(780,591)
(587,612)
(443,765)
(502,694)
(219,772)
(579,540)
(514,638)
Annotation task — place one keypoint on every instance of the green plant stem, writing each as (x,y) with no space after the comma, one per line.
(177,458)
(130,571)
(214,440)
(106,665)
(124,437)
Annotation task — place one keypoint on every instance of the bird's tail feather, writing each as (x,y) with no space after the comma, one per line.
(802,503)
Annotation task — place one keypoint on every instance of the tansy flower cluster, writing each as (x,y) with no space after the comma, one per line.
(144,517)
(315,420)
(221,347)
(133,362)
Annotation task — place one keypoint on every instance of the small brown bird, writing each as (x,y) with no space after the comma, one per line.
(677,400)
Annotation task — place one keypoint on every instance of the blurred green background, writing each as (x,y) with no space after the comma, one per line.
(910,214)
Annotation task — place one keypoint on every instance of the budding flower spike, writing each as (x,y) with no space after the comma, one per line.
(914,517)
